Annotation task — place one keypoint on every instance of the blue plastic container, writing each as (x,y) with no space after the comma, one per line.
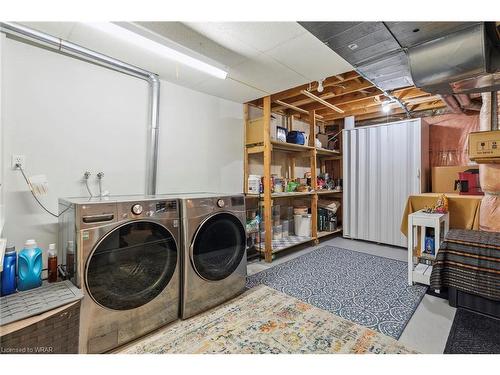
(30,266)
(9,272)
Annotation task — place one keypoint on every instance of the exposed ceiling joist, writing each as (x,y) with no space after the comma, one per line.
(355,96)
(322,101)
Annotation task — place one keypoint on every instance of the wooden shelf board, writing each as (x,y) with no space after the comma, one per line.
(327,233)
(328,192)
(283,195)
(290,147)
(326,152)
(280,146)
(277,249)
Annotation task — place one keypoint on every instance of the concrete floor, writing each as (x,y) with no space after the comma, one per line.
(428,328)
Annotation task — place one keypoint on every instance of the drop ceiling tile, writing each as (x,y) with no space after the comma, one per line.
(215,32)
(187,37)
(308,56)
(230,90)
(261,36)
(266,74)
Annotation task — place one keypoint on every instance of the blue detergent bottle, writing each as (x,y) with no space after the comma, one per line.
(29,266)
(9,271)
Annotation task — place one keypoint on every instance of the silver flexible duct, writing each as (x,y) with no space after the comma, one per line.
(83,53)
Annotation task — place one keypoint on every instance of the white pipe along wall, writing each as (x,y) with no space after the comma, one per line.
(67,116)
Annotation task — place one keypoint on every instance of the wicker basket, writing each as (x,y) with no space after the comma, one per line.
(57,334)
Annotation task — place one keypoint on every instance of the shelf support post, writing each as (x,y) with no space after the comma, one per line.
(245,148)
(314,177)
(268,252)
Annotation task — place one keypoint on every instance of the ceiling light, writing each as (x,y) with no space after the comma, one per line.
(386,107)
(161,49)
(320,85)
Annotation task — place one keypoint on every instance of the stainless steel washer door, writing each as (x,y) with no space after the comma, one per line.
(131,265)
(218,247)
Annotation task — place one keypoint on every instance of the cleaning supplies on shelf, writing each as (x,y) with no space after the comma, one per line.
(9,271)
(253,184)
(30,266)
(52,263)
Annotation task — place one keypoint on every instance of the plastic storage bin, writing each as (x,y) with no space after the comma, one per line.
(285,225)
(277,232)
(303,225)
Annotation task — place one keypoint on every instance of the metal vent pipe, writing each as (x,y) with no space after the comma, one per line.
(88,55)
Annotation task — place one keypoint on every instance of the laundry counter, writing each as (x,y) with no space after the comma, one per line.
(463,209)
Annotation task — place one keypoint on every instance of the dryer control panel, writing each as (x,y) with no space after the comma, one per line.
(143,209)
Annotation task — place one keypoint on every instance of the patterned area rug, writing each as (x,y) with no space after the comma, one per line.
(263,320)
(473,333)
(366,289)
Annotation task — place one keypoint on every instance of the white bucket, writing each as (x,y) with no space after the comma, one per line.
(303,225)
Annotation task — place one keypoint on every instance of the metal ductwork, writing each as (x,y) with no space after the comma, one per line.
(457,63)
(438,57)
(63,46)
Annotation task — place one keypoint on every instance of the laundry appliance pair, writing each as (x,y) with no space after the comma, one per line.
(145,261)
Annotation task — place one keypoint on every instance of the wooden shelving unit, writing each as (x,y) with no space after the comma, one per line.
(317,158)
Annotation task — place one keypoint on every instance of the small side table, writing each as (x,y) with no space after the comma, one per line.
(420,272)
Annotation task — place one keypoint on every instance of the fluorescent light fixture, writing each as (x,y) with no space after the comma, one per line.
(161,49)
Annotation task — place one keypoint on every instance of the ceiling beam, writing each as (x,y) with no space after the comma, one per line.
(352,97)
(348,87)
(313,86)
(324,102)
(376,111)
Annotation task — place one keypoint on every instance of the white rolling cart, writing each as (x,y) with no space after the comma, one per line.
(420,272)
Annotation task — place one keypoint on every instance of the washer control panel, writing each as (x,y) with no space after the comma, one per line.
(145,209)
(137,209)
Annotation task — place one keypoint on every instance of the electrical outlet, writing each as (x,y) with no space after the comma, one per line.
(18,159)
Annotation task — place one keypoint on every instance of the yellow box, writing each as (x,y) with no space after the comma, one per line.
(484,147)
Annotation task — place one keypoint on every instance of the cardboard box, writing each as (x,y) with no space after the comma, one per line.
(443,178)
(484,147)
(323,138)
(255,130)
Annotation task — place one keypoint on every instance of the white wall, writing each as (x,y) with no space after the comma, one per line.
(68,116)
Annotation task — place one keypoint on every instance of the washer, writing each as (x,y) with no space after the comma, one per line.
(127,264)
(214,261)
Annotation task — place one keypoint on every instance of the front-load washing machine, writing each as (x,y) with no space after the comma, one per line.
(214,250)
(123,252)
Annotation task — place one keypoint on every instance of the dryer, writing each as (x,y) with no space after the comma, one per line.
(214,262)
(126,262)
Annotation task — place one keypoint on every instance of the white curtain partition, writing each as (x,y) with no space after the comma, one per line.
(383,164)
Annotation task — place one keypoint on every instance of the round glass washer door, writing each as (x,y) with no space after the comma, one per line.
(218,247)
(131,265)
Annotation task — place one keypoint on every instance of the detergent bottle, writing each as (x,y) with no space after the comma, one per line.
(9,271)
(30,266)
